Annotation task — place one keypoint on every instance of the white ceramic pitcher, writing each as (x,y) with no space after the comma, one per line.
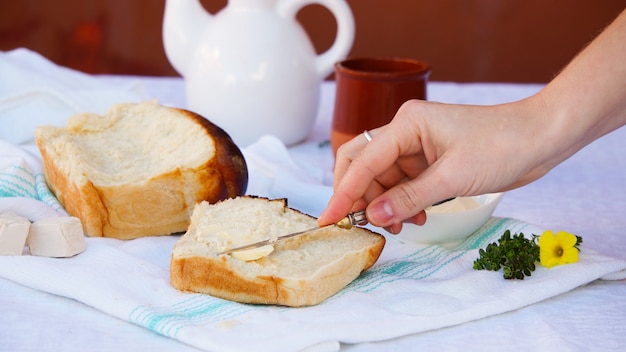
(251,68)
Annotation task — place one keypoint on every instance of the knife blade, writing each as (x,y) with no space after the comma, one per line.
(356,218)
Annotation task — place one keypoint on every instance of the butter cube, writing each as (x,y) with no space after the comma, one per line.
(56,237)
(13,233)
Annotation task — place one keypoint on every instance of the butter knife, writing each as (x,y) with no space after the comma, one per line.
(356,218)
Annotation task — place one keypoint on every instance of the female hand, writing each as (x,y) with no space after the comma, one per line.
(431,152)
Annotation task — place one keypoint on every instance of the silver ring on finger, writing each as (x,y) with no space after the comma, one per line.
(367,135)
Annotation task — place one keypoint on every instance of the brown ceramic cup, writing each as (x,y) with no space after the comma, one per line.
(369,92)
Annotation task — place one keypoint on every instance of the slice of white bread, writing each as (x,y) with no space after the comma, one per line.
(139,169)
(301,271)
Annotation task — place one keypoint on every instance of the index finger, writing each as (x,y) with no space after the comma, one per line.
(358,163)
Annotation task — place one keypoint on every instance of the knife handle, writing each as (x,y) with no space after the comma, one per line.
(356,218)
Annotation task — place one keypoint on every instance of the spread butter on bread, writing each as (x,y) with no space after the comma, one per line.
(139,169)
(301,271)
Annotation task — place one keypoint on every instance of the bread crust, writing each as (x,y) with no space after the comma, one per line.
(159,205)
(228,161)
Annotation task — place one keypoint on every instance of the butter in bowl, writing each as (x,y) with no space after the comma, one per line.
(452,221)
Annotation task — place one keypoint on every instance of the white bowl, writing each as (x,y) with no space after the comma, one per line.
(450,227)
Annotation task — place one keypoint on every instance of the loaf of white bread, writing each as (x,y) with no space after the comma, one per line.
(301,271)
(139,169)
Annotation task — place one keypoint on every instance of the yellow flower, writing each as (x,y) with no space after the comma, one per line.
(557,249)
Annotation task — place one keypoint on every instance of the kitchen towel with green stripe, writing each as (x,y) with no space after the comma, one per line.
(411,289)
(23,188)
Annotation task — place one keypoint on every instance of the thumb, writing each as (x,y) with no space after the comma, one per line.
(407,199)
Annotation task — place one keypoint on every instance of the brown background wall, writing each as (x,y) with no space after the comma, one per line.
(464,40)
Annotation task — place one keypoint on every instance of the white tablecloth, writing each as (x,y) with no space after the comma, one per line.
(584,195)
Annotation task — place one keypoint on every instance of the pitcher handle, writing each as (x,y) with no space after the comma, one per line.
(344,38)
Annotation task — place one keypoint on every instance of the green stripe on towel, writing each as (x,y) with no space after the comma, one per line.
(18,180)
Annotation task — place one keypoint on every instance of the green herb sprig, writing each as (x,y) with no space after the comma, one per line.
(516,255)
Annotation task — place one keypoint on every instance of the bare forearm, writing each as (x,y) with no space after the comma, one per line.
(588,98)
